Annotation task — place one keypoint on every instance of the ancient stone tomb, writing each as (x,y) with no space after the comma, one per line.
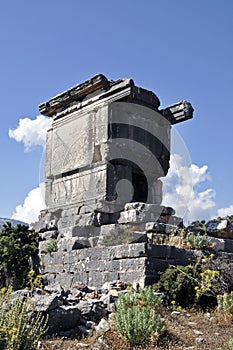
(106,151)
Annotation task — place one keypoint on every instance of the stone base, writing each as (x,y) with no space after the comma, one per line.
(95,247)
(75,221)
(75,228)
(138,264)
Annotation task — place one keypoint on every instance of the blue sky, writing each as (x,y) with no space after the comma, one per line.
(178,49)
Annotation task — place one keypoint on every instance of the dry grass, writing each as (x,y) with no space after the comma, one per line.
(185,331)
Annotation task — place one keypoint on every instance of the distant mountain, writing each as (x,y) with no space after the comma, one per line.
(12,221)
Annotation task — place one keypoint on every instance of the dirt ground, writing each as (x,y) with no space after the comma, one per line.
(187,330)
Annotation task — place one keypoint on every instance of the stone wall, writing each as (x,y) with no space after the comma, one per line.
(137,263)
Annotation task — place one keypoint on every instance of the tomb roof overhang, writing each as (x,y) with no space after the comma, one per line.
(100,89)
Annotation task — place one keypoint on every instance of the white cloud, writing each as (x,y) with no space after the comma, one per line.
(30,210)
(225,211)
(182,190)
(32,132)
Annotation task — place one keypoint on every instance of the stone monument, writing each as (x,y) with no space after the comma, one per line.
(106,151)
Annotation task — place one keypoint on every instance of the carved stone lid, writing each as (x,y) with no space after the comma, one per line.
(97,88)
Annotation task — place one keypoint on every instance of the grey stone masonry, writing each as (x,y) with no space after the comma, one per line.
(137,263)
(220,229)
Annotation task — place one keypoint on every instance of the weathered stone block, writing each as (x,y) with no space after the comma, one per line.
(65,280)
(53,268)
(81,231)
(222,229)
(136,264)
(63,318)
(93,241)
(45,303)
(134,277)
(171,220)
(53,234)
(221,244)
(159,251)
(81,276)
(134,215)
(228,246)
(155,265)
(129,251)
(112,265)
(160,227)
(53,258)
(68,244)
(48,220)
(86,266)
(95,279)
(70,258)
(92,253)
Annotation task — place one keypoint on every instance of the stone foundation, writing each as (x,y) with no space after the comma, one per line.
(137,263)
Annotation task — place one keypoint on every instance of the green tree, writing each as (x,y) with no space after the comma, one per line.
(18,246)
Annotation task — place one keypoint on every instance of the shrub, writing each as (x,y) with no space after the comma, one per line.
(189,238)
(51,246)
(136,317)
(205,282)
(34,280)
(18,246)
(121,236)
(225,303)
(186,285)
(197,227)
(179,283)
(197,240)
(20,327)
(177,238)
(229,345)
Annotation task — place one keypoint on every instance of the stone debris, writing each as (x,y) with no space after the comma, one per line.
(200,340)
(103,326)
(220,229)
(175,313)
(73,313)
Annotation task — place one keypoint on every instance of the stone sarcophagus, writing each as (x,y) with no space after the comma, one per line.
(109,144)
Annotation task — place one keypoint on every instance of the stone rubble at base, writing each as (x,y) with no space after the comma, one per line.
(75,309)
